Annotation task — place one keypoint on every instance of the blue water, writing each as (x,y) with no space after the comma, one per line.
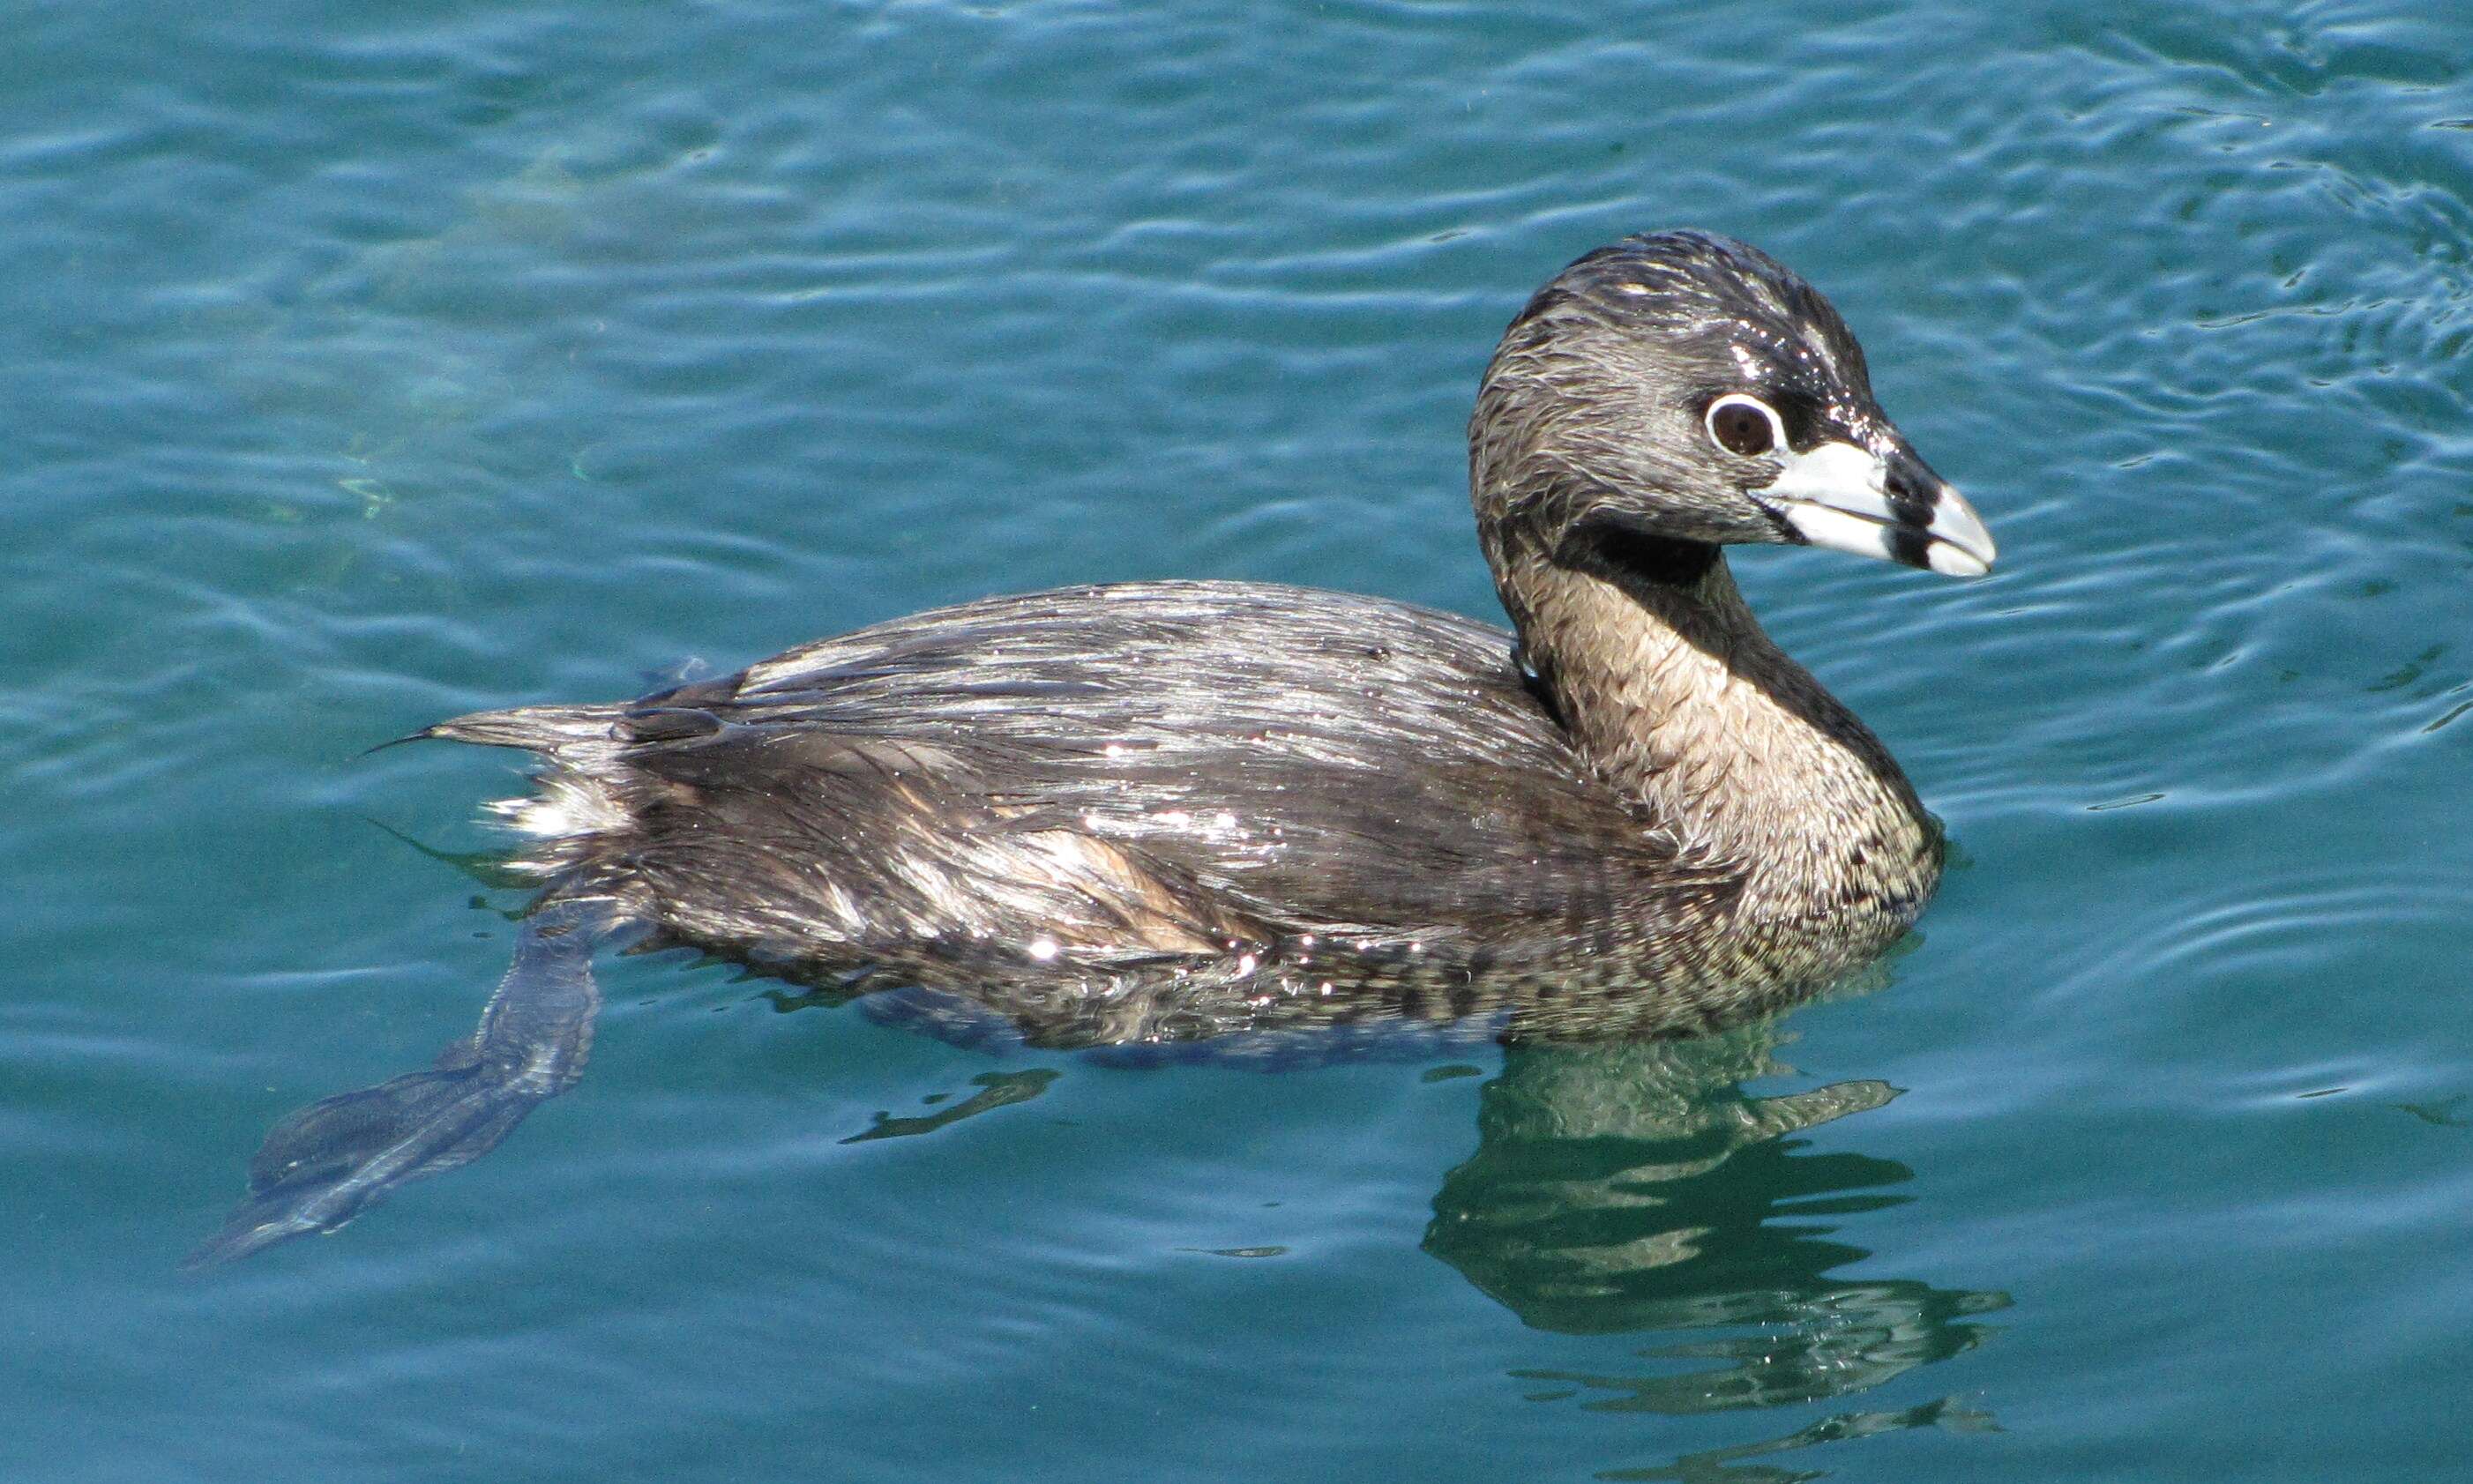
(360,366)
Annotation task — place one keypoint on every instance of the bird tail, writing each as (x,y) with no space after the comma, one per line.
(541,729)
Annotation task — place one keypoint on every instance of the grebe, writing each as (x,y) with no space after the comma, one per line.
(1169,810)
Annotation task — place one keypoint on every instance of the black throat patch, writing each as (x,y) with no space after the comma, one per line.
(1665,559)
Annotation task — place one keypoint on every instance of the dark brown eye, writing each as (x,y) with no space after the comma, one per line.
(1744,425)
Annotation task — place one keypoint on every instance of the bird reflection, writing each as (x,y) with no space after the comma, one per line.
(1638,1188)
(1725,1466)
(997,1089)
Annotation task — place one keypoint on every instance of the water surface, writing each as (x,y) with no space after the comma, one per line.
(362,368)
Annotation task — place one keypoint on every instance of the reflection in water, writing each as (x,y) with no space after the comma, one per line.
(997,1089)
(1716,1466)
(2442,1113)
(1637,1187)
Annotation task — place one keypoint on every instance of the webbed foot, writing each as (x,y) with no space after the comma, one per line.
(323,1164)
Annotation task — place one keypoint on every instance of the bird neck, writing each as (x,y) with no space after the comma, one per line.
(1673,692)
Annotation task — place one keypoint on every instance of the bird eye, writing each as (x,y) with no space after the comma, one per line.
(1744,425)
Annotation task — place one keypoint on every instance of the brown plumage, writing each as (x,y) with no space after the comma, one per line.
(1183,809)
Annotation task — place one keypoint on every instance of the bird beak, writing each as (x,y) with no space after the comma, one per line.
(1849,498)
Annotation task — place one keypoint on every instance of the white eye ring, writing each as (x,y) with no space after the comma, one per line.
(1739,436)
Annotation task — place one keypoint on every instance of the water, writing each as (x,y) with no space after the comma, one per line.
(361,370)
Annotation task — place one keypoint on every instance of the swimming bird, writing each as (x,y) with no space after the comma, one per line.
(1159,811)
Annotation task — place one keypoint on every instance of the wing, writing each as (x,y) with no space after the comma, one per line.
(1153,767)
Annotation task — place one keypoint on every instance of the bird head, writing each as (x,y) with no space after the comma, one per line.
(1680,391)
